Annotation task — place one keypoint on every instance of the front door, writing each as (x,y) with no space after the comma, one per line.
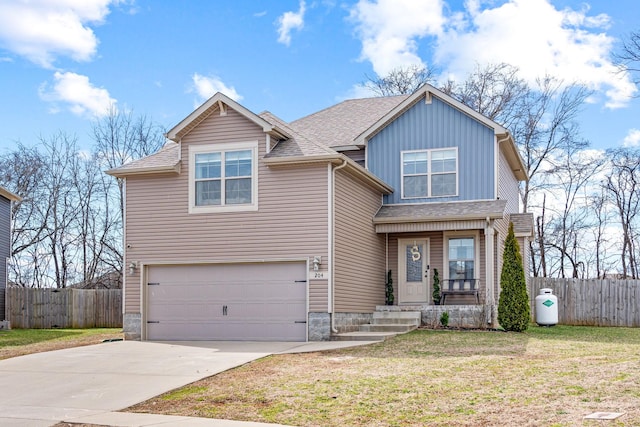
(413,262)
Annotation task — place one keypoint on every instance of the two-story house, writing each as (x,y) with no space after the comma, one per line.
(244,227)
(6,200)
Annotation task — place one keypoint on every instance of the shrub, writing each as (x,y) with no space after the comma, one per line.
(388,290)
(444,319)
(436,287)
(513,307)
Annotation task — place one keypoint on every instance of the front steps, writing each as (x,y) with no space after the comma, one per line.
(384,324)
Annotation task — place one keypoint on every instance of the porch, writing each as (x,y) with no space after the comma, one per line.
(390,320)
(467,316)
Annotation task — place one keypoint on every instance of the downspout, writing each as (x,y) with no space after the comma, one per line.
(490,258)
(332,244)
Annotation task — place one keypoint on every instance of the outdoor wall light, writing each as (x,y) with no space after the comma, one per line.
(317,260)
(132,268)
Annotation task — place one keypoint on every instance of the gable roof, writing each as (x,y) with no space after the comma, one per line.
(339,125)
(9,195)
(218,102)
(426,92)
(316,137)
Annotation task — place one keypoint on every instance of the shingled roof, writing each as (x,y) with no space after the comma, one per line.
(340,124)
(165,160)
(298,145)
(445,211)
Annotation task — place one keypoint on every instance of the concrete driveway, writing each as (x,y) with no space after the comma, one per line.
(86,384)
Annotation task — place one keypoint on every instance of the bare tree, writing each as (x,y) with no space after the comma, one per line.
(622,185)
(495,91)
(628,59)
(22,170)
(571,174)
(602,215)
(121,137)
(400,81)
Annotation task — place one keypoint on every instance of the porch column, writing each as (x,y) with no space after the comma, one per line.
(490,303)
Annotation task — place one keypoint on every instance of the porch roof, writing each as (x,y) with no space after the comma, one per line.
(438,216)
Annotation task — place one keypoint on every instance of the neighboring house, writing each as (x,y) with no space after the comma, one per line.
(6,199)
(110,280)
(245,227)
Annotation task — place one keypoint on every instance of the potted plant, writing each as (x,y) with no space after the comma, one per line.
(436,287)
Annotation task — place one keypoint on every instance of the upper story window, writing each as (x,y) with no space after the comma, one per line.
(223,177)
(429,173)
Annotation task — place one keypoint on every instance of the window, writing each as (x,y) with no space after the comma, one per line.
(223,177)
(429,173)
(461,258)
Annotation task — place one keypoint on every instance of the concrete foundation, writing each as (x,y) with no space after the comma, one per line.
(132,326)
(460,316)
(319,326)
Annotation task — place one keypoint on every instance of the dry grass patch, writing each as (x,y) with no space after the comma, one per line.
(547,376)
(19,342)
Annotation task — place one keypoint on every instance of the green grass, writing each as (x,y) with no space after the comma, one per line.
(21,337)
(545,376)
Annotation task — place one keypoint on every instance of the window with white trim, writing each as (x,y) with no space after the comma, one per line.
(461,258)
(429,173)
(223,177)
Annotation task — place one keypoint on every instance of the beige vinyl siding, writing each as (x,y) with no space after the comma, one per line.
(291,221)
(508,185)
(359,250)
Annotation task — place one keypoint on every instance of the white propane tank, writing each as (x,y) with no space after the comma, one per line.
(546,308)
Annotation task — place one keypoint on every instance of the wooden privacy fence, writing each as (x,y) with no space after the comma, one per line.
(64,308)
(590,301)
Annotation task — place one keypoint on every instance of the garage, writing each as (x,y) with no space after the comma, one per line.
(227,302)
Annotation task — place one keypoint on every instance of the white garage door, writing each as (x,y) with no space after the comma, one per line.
(235,302)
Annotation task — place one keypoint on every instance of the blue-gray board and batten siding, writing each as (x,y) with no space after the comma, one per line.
(5,248)
(436,125)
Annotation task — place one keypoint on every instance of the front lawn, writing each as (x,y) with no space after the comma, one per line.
(19,342)
(544,377)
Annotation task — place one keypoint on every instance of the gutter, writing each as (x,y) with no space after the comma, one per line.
(123,173)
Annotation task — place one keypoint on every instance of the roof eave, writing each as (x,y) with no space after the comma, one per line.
(514,158)
(9,195)
(123,173)
(398,220)
(293,160)
(336,159)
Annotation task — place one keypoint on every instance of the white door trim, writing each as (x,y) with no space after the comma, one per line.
(413,292)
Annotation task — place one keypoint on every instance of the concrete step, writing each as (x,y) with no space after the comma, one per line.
(397,317)
(387,328)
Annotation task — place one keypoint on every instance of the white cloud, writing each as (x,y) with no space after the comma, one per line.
(75,90)
(206,87)
(357,91)
(42,30)
(290,21)
(538,39)
(533,35)
(632,139)
(390,30)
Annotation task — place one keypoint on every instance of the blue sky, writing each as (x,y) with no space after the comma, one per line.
(63,62)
